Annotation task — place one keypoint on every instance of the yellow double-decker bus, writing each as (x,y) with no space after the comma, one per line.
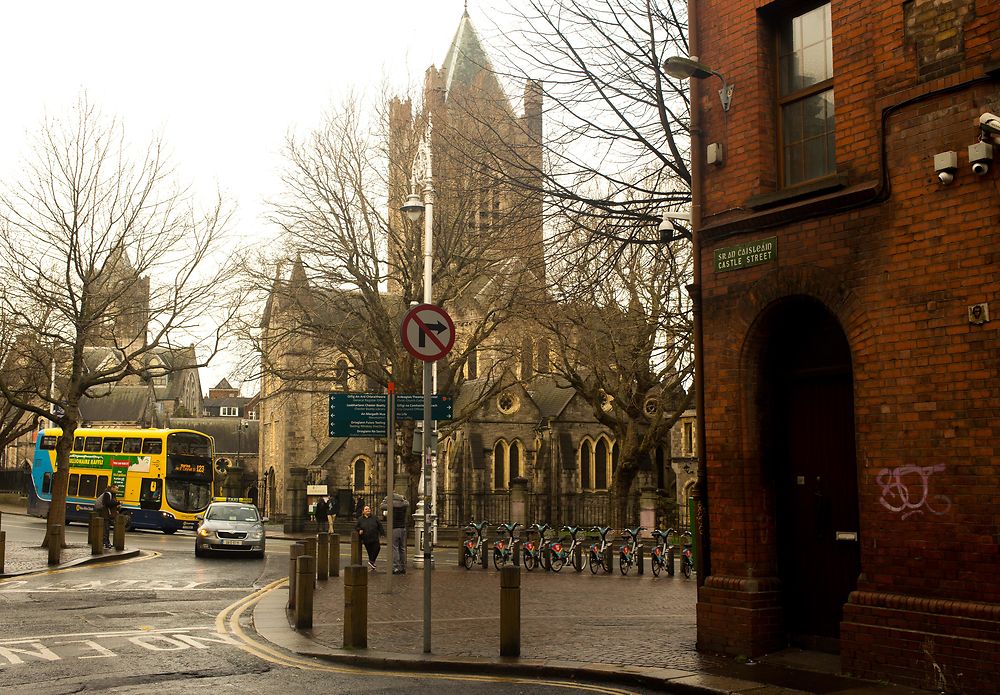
(164,476)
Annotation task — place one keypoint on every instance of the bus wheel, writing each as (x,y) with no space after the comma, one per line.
(170,531)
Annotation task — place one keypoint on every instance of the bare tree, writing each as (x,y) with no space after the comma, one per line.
(98,249)
(357,261)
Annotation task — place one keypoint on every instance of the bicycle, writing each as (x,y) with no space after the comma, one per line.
(532,551)
(571,551)
(662,555)
(503,550)
(687,558)
(474,547)
(630,549)
(597,550)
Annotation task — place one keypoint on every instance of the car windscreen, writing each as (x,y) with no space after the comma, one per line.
(232,513)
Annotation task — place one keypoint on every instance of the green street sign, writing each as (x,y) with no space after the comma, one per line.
(746,255)
(364,414)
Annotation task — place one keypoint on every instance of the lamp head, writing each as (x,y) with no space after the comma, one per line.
(413,207)
(683,68)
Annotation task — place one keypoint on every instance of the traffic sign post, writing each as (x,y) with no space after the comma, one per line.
(428,332)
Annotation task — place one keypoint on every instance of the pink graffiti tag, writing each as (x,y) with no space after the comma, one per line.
(896,494)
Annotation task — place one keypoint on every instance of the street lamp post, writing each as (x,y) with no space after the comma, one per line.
(422,175)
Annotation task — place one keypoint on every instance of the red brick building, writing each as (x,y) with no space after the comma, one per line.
(851,372)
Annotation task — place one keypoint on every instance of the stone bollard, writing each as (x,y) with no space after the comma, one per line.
(355,548)
(547,558)
(3,548)
(578,557)
(640,558)
(516,553)
(55,544)
(294,551)
(484,556)
(323,555)
(335,555)
(609,558)
(510,611)
(305,570)
(92,520)
(670,561)
(119,531)
(97,536)
(311,545)
(355,607)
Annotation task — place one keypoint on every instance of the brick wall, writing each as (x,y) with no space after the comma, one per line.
(898,260)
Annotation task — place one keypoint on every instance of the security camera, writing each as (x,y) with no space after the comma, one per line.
(946,164)
(990,123)
(981,155)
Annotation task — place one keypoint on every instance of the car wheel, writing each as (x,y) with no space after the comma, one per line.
(198,552)
(170,531)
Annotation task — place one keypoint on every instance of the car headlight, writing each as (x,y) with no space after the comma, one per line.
(254,535)
(204,532)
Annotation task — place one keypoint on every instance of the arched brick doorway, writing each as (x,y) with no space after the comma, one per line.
(805,403)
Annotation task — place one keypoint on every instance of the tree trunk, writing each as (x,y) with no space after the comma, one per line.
(60,482)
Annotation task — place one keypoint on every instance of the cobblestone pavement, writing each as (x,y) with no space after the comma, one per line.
(641,621)
(22,557)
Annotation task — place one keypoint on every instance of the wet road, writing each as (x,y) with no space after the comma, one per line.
(170,623)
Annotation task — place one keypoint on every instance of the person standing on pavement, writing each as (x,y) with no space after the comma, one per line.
(371,530)
(322,513)
(107,506)
(400,513)
(333,511)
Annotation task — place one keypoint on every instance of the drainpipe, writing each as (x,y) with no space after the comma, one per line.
(700,491)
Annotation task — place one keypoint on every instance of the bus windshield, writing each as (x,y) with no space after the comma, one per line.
(189,471)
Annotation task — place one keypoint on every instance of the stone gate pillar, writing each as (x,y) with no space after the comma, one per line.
(295,501)
(519,501)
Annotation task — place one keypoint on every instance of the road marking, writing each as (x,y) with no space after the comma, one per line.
(230,617)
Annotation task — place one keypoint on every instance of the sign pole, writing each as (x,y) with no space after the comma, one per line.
(428,558)
(390,466)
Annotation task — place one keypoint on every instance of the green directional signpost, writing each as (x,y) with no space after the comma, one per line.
(364,414)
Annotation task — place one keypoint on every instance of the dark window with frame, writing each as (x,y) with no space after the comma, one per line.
(499,466)
(93,444)
(78,444)
(805,96)
(152,446)
(112,445)
(585,466)
(102,485)
(47,483)
(74,483)
(132,445)
(88,485)
(49,442)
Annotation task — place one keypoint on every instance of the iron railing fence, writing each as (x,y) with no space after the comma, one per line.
(16,480)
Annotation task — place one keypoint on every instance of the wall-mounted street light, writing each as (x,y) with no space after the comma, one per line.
(685,68)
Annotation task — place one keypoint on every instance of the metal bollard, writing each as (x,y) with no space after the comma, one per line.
(119,530)
(578,557)
(356,547)
(609,558)
(547,558)
(355,607)
(3,548)
(323,555)
(670,561)
(90,527)
(305,569)
(510,611)
(639,558)
(55,544)
(335,555)
(516,552)
(97,536)
(484,556)
(294,551)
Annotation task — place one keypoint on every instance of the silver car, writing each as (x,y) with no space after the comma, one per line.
(229,527)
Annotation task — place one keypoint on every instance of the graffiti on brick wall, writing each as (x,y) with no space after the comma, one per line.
(906,490)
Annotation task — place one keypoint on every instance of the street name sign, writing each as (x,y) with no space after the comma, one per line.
(745,255)
(428,332)
(364,414)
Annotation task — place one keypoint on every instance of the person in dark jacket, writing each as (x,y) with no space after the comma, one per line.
(359,507)
(322,513)
(371,530)
(400,515)
(107,506)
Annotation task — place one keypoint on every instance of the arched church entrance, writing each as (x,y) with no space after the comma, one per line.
(806,402)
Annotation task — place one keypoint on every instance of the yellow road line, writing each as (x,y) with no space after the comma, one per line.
(230,617)
(107,563)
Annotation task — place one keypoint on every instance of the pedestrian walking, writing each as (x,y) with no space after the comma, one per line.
(107,506)
(371,530)
(333,511)
(322,513)
(359,507)
(400,514)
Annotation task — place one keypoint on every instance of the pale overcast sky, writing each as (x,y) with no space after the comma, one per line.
(222,81)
